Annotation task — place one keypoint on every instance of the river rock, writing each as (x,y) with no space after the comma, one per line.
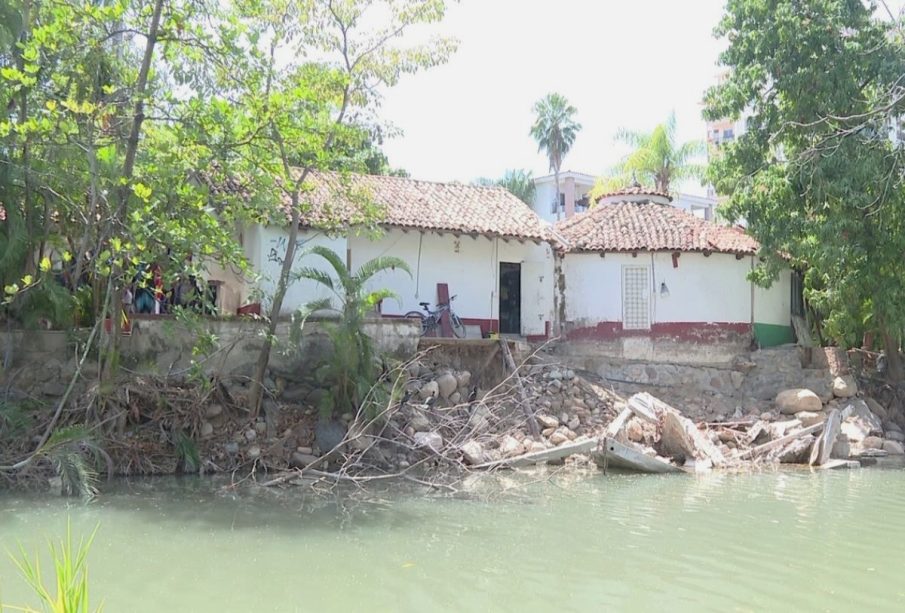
(207,428)
(429,440)
(510,447)
(429,390)
(844,387)
(893,448)
(558,437)
(547,421)
(574,423)
(253,452)
(231,448)
(446,385)
(809,418)
(301,460)
(463,378)
(872,442)
(419,422)
(634,431)
(793,401)
(251,435)
(213,410)
(472,451)
(555,375)
(455,398)
(877,409)
(895,435)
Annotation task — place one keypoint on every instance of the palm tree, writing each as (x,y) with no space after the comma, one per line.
(555,130)
(657,159)
(350,370)
(520,184)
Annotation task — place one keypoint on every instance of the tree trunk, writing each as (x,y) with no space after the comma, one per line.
(894,372)
(141,86)
(257,382)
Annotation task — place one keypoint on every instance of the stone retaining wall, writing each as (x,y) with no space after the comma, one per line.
(39,363)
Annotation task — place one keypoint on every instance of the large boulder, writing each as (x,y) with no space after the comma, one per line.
(893,448)
(429,390)
(858,422)
(446,385)
(872,442)
(511,447)
(877,409)
(472,451)
(844,387)
(793,401)
(429,440)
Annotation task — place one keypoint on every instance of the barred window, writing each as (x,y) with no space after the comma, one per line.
(635,298)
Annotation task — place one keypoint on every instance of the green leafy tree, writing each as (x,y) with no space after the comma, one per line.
(520,183)
(657,159)
(295,117)
(554,131)
(816,175)
(351,370)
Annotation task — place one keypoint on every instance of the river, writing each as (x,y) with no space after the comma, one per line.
(773,541)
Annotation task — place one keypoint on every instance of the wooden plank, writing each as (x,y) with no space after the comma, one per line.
(535,457)
(760,449)
(616,455)
(824,444)
(443,297)
(523,395)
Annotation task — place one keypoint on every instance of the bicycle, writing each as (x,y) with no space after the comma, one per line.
(430,320)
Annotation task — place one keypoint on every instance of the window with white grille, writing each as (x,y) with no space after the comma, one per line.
(635,298)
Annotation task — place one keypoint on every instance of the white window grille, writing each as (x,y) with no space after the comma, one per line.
(635,298)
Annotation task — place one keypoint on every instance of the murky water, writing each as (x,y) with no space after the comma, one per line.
(784,541)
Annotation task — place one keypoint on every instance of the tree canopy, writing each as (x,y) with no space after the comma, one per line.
(519,182)
(555,129)
(816,175)
(657,159)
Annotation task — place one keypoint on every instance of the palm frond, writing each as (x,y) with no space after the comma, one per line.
(338,265)
(374,298)
(313,274)
(379,264)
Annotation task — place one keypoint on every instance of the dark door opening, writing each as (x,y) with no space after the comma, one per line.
(510,298)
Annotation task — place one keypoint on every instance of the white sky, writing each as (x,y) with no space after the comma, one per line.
(621,63)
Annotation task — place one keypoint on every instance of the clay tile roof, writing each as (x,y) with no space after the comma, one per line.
(632,226)
(424,205)
(634,190)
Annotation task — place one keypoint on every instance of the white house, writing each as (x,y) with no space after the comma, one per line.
(638,273)
(574,188)
(480,244)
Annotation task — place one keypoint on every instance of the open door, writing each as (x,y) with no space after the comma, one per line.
(510,298)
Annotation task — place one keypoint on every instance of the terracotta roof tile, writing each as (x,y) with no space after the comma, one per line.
(634,190)
(425,205)
(631,226)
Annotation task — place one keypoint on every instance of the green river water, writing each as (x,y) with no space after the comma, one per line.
(775,541)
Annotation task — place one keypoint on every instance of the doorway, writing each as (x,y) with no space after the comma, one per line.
(510,298)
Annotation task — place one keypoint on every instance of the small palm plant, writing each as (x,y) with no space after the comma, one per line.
(70,565)
(350,372)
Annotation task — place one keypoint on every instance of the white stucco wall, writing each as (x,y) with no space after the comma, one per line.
(266,250)
(544,196)
(774,305)
(702,289)
(470,267)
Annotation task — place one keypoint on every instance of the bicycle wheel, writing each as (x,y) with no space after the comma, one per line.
(419,316)
(458,327)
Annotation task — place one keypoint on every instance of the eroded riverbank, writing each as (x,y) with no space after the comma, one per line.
(775,540)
